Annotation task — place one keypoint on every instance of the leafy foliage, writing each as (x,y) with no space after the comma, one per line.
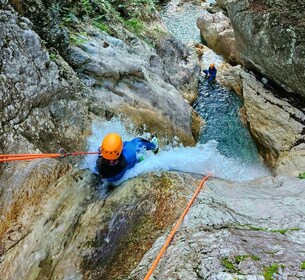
(135,25)
(136,8)
(269,271)
(302,175)
(229,265)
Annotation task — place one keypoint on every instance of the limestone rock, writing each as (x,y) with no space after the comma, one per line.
(235,230)
(177,56)
(270,36)
(276,125)
(229,77)
(217,31)
(76,231)
(292,162)
(32,91)
(222,3)
(137,83)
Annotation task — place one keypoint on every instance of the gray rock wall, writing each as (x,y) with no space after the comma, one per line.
(270,37)
(47,103)
(236,232)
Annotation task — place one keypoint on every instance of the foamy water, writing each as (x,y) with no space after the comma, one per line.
(201,159)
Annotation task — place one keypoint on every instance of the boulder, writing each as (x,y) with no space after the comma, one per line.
(217,31)
(33,96)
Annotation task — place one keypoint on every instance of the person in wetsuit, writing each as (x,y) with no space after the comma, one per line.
(116,156)
(211,73)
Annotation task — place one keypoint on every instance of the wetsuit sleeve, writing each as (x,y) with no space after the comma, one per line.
(148,145)
(131,148)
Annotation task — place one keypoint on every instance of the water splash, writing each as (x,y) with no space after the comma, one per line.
(201,159)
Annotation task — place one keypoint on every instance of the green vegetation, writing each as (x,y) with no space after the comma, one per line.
(160,31)
(53,56)
(281,231)
(134,25)
(136,8)
(132,14)
(302,175)
(269,271)
(239,259)
(303,265)
(87,6)
(101,26)
(78,38)
(229,265)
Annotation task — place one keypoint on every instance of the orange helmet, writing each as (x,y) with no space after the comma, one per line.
(212,65)
(112,146)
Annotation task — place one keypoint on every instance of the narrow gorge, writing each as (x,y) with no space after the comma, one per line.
(73,71)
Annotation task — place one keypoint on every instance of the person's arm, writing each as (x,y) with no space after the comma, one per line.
(148,145)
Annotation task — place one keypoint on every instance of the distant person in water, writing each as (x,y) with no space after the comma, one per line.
(210,73)
(116,156)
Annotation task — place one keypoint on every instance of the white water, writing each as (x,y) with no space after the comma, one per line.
(201,159)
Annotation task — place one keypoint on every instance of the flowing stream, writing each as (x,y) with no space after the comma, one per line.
(225,147)
(218,106)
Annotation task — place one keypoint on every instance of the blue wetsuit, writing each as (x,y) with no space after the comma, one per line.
(212,73)
(114,170)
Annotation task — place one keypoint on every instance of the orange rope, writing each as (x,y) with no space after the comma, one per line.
(168,240)
(24,155)
(15,157)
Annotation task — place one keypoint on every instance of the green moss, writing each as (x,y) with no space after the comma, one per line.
(302,175)
(78,38)
(269,271)
(134,25)
(239,259)
(53,56)
(259,228)
(303,265)
(101,26)
(229,265)
(87,6)
(281,231)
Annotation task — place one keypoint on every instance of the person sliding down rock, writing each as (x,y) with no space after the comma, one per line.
(116,156)
(210,73)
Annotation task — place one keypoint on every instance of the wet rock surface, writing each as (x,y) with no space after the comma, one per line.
(236,232)
(57,222)
(77,232)
(138,83)
(47,103)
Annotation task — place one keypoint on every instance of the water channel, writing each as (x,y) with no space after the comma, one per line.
(225,147)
